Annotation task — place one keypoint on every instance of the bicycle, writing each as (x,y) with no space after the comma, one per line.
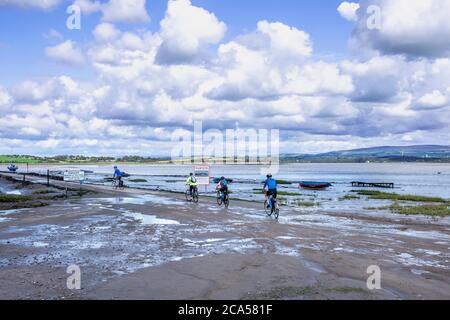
(118,184)
(271,207)
(223,198)
(192,197)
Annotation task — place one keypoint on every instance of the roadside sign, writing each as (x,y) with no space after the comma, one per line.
(74,176)
(202,174)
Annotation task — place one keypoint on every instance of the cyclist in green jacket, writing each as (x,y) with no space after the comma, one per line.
(191,182)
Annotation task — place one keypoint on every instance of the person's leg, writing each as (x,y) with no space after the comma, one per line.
(275,193)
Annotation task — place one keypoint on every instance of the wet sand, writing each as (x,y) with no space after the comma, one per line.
(135,244)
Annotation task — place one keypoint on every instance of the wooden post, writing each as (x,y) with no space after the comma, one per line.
(48,177)
(27,167)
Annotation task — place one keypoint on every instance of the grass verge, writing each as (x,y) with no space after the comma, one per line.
(6,198)
(426,210)
(378,195)
(138,180)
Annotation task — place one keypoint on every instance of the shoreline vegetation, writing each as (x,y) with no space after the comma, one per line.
(86,160)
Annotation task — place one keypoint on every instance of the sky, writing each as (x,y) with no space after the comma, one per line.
(330,75)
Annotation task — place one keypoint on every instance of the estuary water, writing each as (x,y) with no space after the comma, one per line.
(426,179)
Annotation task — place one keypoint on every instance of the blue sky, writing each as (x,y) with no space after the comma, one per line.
(140,71)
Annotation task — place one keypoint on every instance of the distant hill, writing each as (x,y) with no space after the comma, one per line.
(420,153)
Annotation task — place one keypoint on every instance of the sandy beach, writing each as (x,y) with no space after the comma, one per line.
(137,244)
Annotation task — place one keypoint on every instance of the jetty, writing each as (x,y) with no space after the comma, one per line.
(387,185)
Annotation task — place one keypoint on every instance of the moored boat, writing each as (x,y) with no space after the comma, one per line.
(13,168)
(314,185)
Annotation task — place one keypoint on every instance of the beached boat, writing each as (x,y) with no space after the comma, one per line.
(314,185)
(13,168)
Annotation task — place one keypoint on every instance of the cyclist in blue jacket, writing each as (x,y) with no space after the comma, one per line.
(271,187)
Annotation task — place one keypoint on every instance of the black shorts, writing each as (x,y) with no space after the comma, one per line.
(224,189)
(272,192)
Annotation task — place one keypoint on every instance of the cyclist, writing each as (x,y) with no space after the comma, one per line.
(271,186)
(222,186)
(191,182)
(118,175)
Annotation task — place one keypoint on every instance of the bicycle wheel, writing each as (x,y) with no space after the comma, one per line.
(195,196)
(188,196)
(267,210)
(219,198)
(226,201)
(277,213)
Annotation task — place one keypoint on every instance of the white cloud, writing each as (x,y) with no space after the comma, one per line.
(5,98)
(52,34)
(128,11)
(37,91)
(434,99)
(186,30)
(27,4)
(88,6)
(65,52)
(418,28)
(280,39)
(28,131)
(105,32)
(48,144)
(348,10)
(131,11)
(262,79)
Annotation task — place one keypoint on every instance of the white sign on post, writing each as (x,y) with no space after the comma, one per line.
(202,174)
(74,176)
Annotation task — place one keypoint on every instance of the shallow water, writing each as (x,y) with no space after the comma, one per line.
(409,178)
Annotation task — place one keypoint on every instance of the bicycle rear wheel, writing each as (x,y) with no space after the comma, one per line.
(276,213)
(219,198)
(267,210)
(226,201)
(195,196)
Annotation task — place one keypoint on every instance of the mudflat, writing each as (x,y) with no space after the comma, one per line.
(136,244)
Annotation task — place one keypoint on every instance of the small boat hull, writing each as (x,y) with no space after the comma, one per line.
(13,168)
(313,185)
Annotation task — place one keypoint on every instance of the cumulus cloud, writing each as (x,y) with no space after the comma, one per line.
(432,100)
(105,32)
(125,11)
(186,30)
(150,84)
(283,40)
(348,10)
(128,11)
(88,6)
(412,28)
(33,4)
(4,97)
(65,52)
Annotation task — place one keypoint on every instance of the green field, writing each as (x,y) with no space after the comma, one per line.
(14,159)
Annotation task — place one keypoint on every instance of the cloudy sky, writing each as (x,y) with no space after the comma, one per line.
(329,74)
